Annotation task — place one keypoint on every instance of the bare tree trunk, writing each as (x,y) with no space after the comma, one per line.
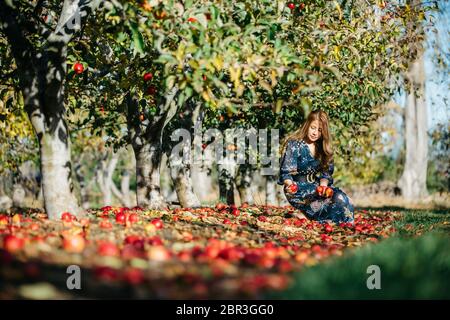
(105,176)
(83,187)
(56,171)
(244,183)
(148,166)
(413,180)
(125,188)
(181,175)
(123,195)
(180,163)
(146,139)
(227,172)
(271,190)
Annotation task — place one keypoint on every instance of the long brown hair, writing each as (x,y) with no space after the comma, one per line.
(323,145)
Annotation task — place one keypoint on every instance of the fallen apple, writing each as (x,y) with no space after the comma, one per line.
(158,223)
(74,243)
(12,244)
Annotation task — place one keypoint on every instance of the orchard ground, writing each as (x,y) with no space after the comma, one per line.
(224,252)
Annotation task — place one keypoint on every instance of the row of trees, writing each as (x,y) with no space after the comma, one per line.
(151,66)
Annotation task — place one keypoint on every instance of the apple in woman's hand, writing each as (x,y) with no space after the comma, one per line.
(320,190)
(324,191)
(292,188)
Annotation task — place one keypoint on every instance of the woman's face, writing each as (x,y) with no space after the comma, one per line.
(314,131)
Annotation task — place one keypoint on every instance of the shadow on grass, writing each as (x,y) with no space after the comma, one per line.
(406,210)
(410,268)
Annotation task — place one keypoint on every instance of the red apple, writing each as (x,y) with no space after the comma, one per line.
(211,252)
(108,249)
(148,76)
(34,227)
(155,241)
(329,192)
(4,220)
(192,19)
(105,224)
(151,90)
(293,188)
(220,206)
(158,253)
(121,218)
(325,238)
(320,190)
(78,68)
(284,266)
(74,243)
(67,217)
(328,228)
(133,218)
(131,239)
(291,5)
(158,223)
(12,243)
(134,276)
(106,273)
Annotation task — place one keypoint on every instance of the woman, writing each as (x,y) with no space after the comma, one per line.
(307,172)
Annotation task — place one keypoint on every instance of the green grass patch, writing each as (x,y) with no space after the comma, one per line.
(414,264)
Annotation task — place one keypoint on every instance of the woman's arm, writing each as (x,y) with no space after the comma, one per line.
(288,164)
(326,178)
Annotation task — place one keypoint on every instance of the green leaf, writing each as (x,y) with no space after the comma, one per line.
(138,41)
(170,82)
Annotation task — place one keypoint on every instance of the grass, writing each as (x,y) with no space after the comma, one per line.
(414,264)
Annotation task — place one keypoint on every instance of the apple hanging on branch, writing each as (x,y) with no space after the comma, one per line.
(148,76)
(78,68)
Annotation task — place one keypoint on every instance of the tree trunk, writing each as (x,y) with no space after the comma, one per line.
(227,172)
(203,186)
(181,175)
(201,174)
(83,187)
(244,183)
(180,171)
(125,188)
(271,190)
(148,166)
(146,139)
(56,171)
(413,180)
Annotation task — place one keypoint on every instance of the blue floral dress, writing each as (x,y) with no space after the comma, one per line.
(298,165)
